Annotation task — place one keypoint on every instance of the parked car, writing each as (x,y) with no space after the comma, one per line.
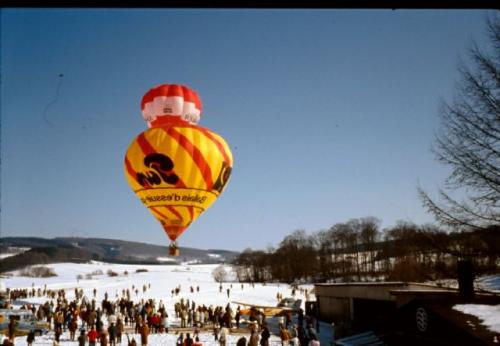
(25,322)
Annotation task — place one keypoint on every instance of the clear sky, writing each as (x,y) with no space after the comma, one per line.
(330,115)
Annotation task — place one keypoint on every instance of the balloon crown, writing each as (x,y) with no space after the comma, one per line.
(171,100)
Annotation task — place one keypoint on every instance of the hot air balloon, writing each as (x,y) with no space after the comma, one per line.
(177,169)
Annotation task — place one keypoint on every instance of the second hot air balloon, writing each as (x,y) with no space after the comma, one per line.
(176,168)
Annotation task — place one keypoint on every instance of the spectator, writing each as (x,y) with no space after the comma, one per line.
(92,335)
(223,336)
(180,340)
(144,334)
(30,338)
(284,336)
(12,329)
(112,331)
(265,335)
(254,338)
(82,338)
(103,338)
(188,341)
(314,341)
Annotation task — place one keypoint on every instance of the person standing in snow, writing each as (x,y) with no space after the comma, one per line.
(58,331)
(184,316)
(180,340)
(144,334)
(216,332)
(98,325)
(119,330)
(254,336)
(314,341)
(138,323)
(223,336)
(92,335)
(188,341)
(284,336)
(82,338)
(294,336)
(73,326)
(202,318)
(237,317)
(311,332)
(104,338)
(12,329)
(301,317)
(164,322)
(265,335)
(112,334)
(30,338)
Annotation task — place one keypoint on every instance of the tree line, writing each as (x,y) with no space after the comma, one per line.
(359,250)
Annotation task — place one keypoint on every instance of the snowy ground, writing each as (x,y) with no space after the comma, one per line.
(488,314)
(162,280)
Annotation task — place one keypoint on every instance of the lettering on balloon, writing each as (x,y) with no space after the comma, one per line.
(161,171)
(174,197)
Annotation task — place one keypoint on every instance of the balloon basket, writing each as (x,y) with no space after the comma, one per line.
(173,250)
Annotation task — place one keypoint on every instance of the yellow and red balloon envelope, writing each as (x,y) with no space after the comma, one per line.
(177,169)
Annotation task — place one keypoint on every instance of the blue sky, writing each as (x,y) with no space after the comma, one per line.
(330,115)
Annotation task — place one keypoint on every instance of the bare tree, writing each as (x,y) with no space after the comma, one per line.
(469,142)
(219,273)
(368,237)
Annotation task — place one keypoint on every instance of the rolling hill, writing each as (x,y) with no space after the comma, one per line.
(44,251)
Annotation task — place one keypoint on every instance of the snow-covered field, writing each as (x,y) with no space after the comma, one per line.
(162,279)
(488,314)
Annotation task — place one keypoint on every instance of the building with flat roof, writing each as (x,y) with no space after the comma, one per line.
(401,313)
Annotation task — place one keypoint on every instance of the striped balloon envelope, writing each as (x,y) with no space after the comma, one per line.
(178,170)
(168,100)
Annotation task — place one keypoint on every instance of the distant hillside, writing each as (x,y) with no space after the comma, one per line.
(44,251)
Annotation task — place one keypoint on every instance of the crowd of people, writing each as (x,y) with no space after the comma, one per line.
(106,323)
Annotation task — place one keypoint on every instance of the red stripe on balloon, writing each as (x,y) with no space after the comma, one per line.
(157,212)
(129,168)
(191,214)
(146,147)
(196,155)
(175,212)
(132,172)
(217,143)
